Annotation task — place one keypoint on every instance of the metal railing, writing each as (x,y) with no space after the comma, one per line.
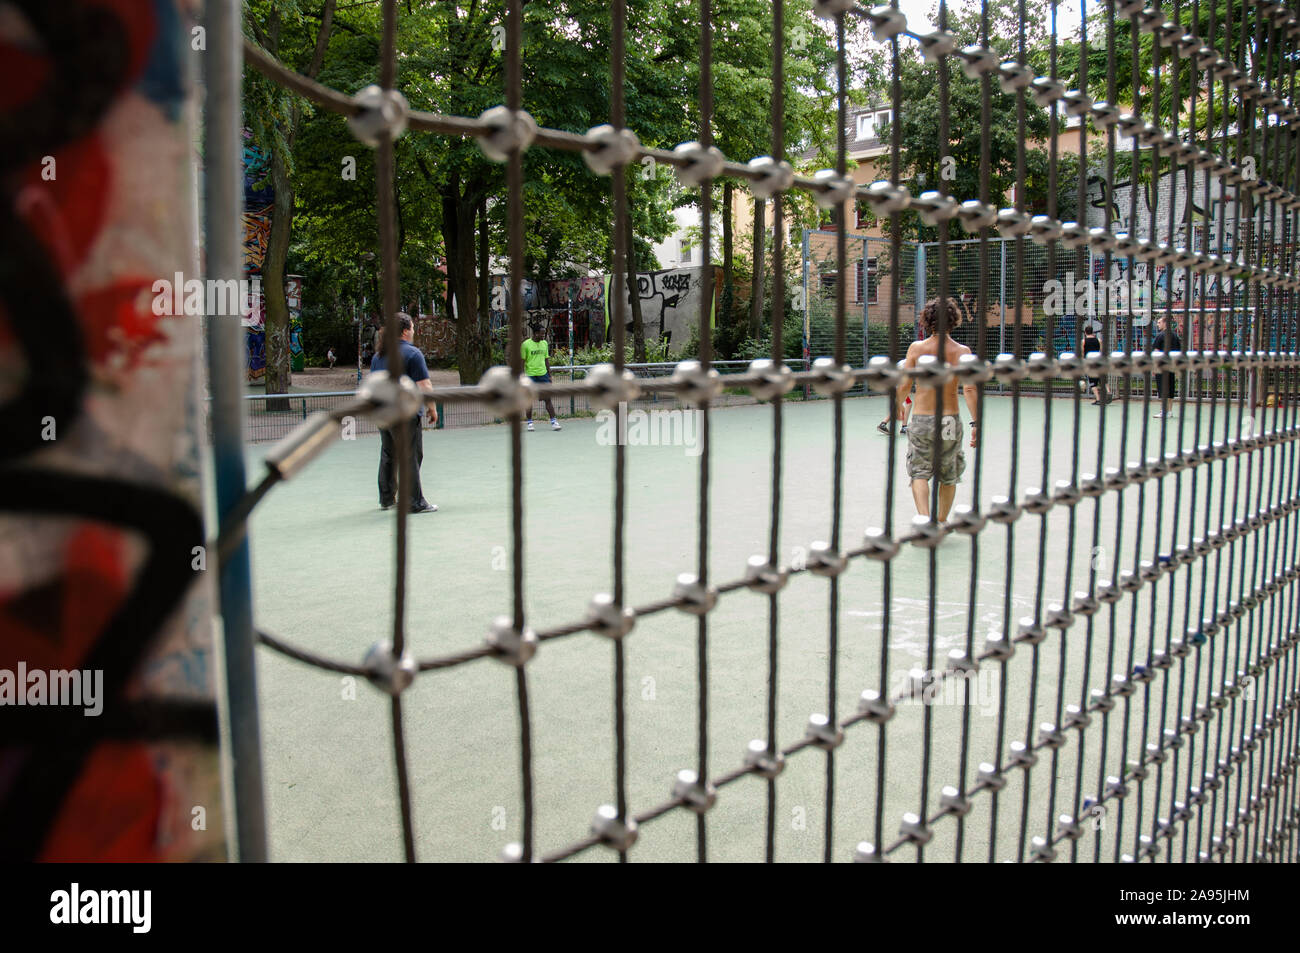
(270,417)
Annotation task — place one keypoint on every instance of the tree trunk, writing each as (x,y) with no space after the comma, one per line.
(728,240)
(273,267)
(483,300)
(473,345)
(634,298)
(756,286)
(277,246)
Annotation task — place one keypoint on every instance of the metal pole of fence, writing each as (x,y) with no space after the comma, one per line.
(866,297)
(223,200)
(571,361)
(807,307)
(920,282)
(1002,300)
(361,318)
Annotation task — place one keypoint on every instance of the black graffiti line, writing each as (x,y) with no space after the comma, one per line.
(172,527)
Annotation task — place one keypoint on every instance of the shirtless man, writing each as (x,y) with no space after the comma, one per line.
(921,430)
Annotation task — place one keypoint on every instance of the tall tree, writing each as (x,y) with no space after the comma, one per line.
(756,279)
(281,132)
(451,62)
(920,141)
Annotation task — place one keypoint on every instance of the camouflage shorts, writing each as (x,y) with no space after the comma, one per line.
(920,449)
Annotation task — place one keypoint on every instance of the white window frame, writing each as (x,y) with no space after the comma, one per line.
(869,123)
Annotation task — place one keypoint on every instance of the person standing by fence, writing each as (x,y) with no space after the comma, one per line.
(537,365)
(932,423)
(1092,345)
(414,367)
(1166,340)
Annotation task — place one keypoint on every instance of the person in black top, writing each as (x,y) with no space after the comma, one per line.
(1092,345)
(414,367)
(1166,340)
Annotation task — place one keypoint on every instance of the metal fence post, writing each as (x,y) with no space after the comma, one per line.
(223,201)
(807,308)
(866,297)
(1002,300)
(920,283)
(571,361)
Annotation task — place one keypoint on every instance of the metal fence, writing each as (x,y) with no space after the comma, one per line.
(1121,305)
(1194,726)
(271,417)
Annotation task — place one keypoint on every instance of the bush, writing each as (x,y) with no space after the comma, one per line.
(599,354)
(878,338)
(325,326)
(657,351)
(751,349)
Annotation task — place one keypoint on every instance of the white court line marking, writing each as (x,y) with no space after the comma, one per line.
(909,620)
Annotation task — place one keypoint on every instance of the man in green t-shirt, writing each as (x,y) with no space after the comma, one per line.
(537,365)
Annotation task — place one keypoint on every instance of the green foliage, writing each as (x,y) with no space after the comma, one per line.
(1196,18)
(878,338)
(920,118)
(448,63)
(326,326)
(751,349)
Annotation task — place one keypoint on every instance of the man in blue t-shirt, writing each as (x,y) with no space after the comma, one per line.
(414,367)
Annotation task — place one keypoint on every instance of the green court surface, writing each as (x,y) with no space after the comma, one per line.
(323,556)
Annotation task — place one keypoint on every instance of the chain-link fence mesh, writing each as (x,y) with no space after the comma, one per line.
(1188,718)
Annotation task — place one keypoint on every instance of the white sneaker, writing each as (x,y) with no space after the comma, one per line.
(530,425)
(555,425)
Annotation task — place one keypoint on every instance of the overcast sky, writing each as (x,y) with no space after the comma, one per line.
(918,13)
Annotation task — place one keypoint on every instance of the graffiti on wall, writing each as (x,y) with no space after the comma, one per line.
(258,199)
(254,320)
(293,297)
(671,301)
(257,233)
(1130,210)
(670,305)
(258,196)
(100,503)
(435,336)
(550,303)
(257,164)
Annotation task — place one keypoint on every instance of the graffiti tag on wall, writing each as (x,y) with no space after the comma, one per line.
(100,507)
(671,301)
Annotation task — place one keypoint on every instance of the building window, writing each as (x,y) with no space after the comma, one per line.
(867,281)
(828,283)
(862,213)
(685,256)
(870,124)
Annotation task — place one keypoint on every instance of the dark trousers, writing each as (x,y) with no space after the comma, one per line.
(388,464)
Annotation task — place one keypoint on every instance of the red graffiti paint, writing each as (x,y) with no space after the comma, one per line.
(111,813)
(66,212)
